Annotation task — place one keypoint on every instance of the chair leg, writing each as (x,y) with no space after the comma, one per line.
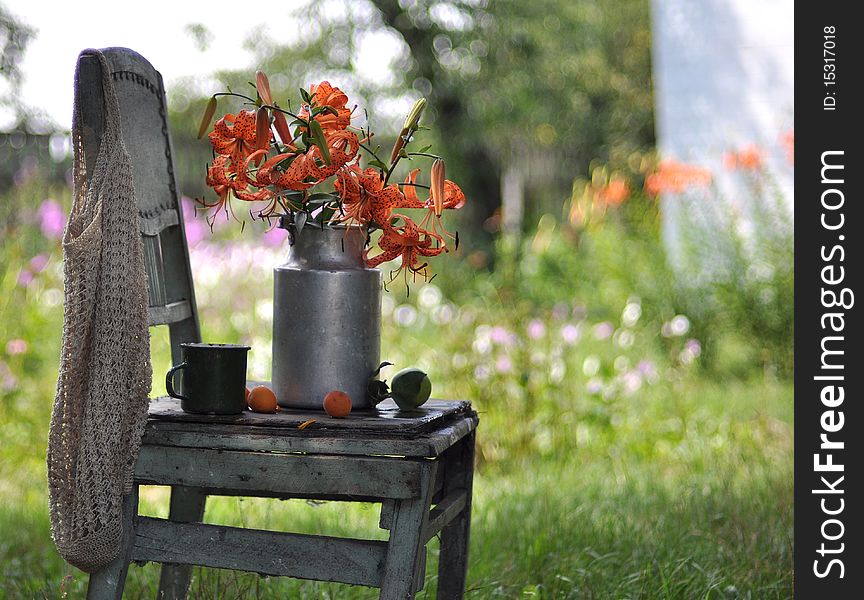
(187,506)
(108,583)
(453,557)
(406,547)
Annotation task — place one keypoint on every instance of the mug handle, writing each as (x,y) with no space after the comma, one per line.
(169,381)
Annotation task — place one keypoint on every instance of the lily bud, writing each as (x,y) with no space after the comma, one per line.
(282,127)
(262,84)
(209,111)
(262,129)
(413,118)
(397,147)
(437,186)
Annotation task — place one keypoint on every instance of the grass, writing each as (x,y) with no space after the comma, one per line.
(679,488)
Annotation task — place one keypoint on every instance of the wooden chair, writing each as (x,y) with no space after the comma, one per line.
(419,466)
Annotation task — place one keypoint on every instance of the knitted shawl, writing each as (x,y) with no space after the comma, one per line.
(100,407)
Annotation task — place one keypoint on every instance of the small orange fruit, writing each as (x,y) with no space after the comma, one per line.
(261,399)
(337,404)
(246,395)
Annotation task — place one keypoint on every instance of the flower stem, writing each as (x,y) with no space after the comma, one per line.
(234,94)
(422,154)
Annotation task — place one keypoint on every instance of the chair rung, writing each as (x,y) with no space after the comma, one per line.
(342,560)
(280,474)
(444,512)
(170,313)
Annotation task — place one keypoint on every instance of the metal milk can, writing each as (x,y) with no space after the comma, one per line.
(326,318)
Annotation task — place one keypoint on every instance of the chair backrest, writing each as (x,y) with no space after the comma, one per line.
(144,119)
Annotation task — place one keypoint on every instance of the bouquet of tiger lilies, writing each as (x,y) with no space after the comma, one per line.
(312,171)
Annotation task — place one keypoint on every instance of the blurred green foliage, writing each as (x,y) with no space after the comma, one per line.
(505,86)
(609,463)
(14,36)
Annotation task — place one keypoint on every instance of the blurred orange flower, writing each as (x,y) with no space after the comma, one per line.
(675,177)
(614,193)
(748,158)
(787,140)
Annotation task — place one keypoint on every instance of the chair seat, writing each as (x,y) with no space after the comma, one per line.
(424,432)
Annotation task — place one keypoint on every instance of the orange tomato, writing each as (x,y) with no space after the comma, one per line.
(337,404)
(261,399)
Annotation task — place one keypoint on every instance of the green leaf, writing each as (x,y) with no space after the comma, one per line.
(425,148)
(320,141)
(305,95)
(320,197)
(377,163)
(300,221)
(325,215)
(377,371)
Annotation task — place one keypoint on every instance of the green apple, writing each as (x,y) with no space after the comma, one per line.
(410,388)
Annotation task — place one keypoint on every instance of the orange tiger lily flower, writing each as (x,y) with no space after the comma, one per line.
(364,197)
(342,146)
(224,180)
(292,178)
(451,197)
(325,94)
(356,188)
(235,135)
(437,186)
(407,241)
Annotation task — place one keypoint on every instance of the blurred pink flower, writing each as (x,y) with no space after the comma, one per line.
(275,236)
(692,350)
(646,368)
(25,277)
(570,334)
(38,263)
(195,231)
(631,381)
(536,329)
(594,385)
(52,219)
(503,364)
(603,330)
(195,227)
(16,346)
(7,379)
(500,335)
(693,347)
